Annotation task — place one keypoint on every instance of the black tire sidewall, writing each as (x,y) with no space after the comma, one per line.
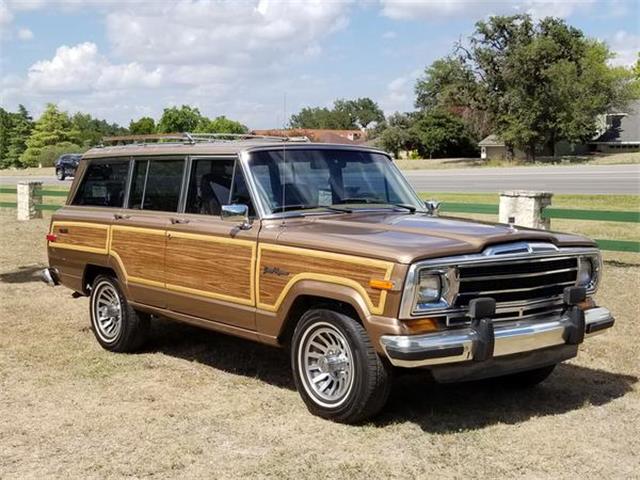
(119,343)
(356,337)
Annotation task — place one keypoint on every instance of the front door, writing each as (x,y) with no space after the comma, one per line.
(209,263)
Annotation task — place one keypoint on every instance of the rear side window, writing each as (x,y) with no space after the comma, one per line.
(103,184)
(156,185)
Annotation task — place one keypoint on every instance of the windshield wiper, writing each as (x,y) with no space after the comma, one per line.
(293,207)
(411,208)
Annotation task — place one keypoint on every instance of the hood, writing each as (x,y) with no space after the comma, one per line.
(404,237)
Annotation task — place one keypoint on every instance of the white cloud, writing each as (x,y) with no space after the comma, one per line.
(222,33)
(25,34)
(83,68)
(436,10)
(6,17)
(626,47)
(399,95)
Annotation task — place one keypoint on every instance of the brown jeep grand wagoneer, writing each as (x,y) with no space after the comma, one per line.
(326,250)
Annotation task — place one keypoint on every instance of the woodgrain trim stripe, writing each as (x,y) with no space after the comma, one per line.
(220,296)
(326,278)
(82,248)
(131,278)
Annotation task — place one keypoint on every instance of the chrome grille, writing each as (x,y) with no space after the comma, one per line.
(517,281)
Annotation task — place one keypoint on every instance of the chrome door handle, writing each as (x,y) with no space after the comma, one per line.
(179,220)
(119,216)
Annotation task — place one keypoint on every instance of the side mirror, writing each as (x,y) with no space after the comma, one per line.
(433,207)
(237,214)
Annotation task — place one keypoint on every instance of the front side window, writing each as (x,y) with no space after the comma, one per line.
(156,184)
(103,184)
(305,179)
(209,185)
(215,182)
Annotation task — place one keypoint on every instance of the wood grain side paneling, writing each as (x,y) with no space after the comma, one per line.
(140,252)
(89,237)
(299,264)
(210,266)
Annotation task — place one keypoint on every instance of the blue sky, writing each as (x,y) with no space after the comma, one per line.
(121,59)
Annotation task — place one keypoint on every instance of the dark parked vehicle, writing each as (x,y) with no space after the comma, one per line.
(67,164)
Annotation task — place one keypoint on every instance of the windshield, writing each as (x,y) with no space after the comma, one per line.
(326,179)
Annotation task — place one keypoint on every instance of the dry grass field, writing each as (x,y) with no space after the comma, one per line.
(196,404)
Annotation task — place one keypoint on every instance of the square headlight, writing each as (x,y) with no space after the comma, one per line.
(429,288)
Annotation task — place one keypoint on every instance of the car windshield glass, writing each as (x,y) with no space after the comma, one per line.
(306,179)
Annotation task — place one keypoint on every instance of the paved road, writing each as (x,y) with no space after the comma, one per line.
(594,179)
(622,179)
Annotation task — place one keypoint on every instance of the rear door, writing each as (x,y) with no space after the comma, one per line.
(210,263)
(138,233)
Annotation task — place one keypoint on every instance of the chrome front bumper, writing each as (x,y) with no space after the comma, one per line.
(454,346)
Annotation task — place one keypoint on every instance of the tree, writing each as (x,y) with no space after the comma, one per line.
(321,118)
(345,115)
(176,120)
(52,127)
(22,126)
(143,126)
(446,84)
(441,134)
(89,131)
(537,83)
(220,124)
(6,126)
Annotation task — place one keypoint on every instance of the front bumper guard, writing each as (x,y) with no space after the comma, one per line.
(509,338)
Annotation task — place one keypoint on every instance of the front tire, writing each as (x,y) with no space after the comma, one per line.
(60,174)
(115,324)
(337,372)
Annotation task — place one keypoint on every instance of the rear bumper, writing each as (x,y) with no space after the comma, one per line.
(50,276)
(509,338)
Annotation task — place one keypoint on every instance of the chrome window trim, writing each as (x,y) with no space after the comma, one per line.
(407,307)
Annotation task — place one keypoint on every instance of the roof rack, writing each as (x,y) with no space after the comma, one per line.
(193,138)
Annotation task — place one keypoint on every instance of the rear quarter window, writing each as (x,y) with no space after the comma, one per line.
(103,184)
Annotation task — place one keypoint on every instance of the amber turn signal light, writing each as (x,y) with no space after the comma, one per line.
(381,284)
(421,325)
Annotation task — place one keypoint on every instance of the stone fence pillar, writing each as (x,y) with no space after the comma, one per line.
(29,195)
(524,208)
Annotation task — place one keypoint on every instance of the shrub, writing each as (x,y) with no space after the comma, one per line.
(50,153)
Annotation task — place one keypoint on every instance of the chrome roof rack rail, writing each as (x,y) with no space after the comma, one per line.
(193,138)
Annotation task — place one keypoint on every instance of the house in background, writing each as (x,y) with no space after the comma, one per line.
(349,137)
(620,132)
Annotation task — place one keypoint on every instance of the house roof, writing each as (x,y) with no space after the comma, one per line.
(623,127)
(491,141)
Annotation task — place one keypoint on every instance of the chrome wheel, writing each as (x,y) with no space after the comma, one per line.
(106,311)
(326,364)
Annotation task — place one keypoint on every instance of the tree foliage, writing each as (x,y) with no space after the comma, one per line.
(53,127)
(88,131)
(345,115)
(142,126)
(532,83)
(220,124)
(15,128)
(176,120)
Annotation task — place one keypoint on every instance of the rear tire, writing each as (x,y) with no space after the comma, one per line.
(337,372)
(115,324)
(60,174)
(528,379)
